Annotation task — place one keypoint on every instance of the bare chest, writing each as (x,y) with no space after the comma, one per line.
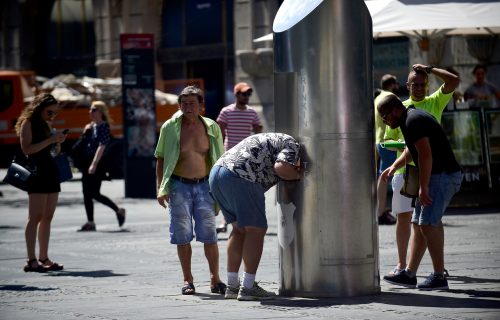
(194,139)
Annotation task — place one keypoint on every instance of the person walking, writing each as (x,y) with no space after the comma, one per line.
(238,182)
(38,141)
(187,148)
(95,138)
(238,121)
(440,177)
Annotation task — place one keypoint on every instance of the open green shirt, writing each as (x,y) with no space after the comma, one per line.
(434,104)
(169,146)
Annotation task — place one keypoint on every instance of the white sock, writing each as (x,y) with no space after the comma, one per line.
(248,280)
(232,279)
(410,273)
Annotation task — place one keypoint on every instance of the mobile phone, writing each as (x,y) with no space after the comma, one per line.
(65,131)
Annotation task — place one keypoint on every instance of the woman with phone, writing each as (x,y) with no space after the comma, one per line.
(95,137)
(38,141)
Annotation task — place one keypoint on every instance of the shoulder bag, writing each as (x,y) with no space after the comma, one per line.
(411,184)
(77,151)
(20,176)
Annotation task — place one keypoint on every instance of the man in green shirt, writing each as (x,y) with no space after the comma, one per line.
(187,148)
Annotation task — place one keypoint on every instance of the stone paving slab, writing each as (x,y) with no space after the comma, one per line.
(133,273)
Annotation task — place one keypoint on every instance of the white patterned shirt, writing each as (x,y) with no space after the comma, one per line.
(254,157)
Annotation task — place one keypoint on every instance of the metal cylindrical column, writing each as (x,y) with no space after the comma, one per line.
(323,96)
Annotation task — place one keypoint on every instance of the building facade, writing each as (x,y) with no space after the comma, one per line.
(211,42)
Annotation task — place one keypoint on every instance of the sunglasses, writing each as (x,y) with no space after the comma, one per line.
(51,113)
(93,110)
(246,94)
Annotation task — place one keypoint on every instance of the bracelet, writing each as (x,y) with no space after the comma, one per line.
(428,69)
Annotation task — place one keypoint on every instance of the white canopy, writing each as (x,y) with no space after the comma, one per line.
(427,18)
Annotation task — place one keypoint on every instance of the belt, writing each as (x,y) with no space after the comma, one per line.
(189,181)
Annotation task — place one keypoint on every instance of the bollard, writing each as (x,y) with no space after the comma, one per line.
(327,230)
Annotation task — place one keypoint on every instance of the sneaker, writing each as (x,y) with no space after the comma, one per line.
(402,279)
(434,282)
(231,292)
(254,293)
(88,226)
(120,215)
(386,218)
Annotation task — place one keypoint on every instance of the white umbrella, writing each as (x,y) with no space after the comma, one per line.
(426,19)
(433,17)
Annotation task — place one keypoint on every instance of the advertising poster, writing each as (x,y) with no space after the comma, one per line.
(138,85)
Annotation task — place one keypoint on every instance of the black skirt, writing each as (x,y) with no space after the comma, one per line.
(46,179)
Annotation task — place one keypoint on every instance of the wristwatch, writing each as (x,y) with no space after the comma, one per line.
(428,69)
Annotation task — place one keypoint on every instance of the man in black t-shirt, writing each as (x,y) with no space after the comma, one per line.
(440,177)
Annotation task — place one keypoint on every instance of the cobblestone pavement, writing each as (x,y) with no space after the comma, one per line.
(133,273)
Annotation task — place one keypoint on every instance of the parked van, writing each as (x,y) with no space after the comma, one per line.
(17,89)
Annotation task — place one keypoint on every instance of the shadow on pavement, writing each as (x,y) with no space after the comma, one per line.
(18,287)
(86,274)
(472,210)
(209,296)
(477,293)
(23,202)
(464,279)
(115,230)
(9,227)
(433,301)
(396,299)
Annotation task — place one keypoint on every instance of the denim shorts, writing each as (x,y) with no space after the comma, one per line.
(240,200)
(387,158)
(190,202)
(442,187)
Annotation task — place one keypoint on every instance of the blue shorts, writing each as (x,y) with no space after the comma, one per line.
(190,202)
(387,158)
(442,187)
(240,200)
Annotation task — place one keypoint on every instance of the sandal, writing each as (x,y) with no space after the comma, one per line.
(222,228)
(30,268)
(120,215)
(188,289)
(219,288)
(53,266)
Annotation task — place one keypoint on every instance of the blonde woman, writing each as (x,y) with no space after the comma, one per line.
(96,136)
(37,141)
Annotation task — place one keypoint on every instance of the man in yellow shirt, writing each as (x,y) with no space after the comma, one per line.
(389,85)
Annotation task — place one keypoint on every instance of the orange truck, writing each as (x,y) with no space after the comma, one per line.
(18,87)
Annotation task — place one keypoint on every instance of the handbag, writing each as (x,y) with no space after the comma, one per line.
(77,152)
(19,176)
(411,184)
(65,172)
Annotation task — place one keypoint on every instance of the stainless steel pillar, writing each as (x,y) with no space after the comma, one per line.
(323,96)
